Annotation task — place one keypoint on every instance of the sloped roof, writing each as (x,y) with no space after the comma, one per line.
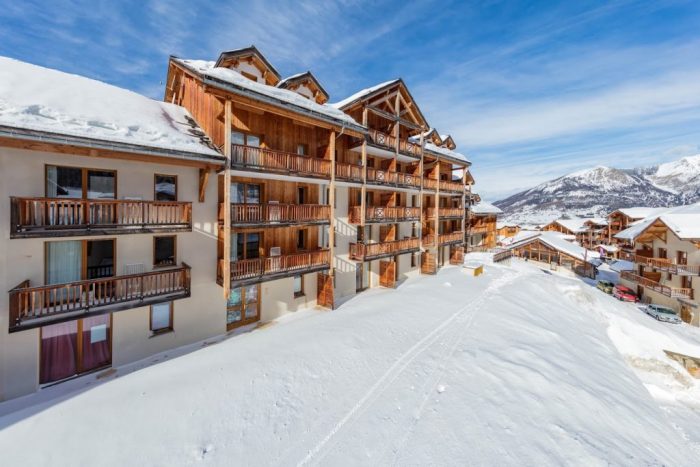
(246,52)
(684,221)
(438,151)
(232,81)
(574,225)
(361,94)
(558,242)
(640,212)
(485,208)
(38,99)
(284,84)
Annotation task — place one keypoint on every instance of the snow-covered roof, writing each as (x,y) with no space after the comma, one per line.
(306,74)
(596,220)
(503,224)
(520,237)
(608,248)
(640,212)
(684,221)
(485,208)
(575,225)
(559,242)
(232,79)
(446,152)
(362,93)
(38,99)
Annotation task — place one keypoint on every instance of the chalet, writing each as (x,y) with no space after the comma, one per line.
(620,219)
(482,232)
(109,227)
(571,227)
(594,232)
(666,256)
(553,248)
(506,230)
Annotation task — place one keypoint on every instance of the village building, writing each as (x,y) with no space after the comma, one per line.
(666,255)
(554,249)
(506,230)
(621,219)
(482,232)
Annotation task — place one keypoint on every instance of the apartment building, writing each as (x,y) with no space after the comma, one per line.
(666,253)
(483,231)
(110,228)
(621,219)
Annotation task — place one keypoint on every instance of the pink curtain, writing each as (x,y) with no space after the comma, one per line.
(58,351)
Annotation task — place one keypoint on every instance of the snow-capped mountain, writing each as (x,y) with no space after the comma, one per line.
(597,191)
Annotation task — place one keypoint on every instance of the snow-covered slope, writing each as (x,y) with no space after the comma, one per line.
(515,367)
(600,190)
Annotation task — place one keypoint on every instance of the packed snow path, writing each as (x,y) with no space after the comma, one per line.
(510,368)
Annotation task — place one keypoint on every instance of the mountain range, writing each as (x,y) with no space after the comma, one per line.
(600,190)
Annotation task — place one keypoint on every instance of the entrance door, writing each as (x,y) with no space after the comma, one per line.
(387,273)
(361,277)
(243,306)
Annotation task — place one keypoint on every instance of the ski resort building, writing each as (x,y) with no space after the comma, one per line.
(109,228)
(666,254)
(483,232)
(137,226)
(621,219)
(555,249)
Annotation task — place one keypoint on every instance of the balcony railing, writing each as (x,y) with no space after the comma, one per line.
(375,214)
(389,142)
(249,271)
(48,217)
(452,187)
(387,177)
(672,292)
(253,158)
(479,229)
(279,214)
(350,172)
(444,239)
(445,212)
(666,265)
(32,307)
(368,251)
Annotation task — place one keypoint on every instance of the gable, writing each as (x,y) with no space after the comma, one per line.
(250,63)
(307,85)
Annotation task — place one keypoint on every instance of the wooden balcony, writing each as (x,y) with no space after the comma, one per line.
(278,215)
(31,307)
(371,251)
(444,239)
(672,292)
(446,213)
(397,179)
(270,160)
(482,229)
(64,217)
(349,172)
(389,142)
(252,271)
(667,265)
(451,187)
(379,214)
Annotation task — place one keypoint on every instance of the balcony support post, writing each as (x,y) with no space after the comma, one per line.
(227,202)
(363,190)
(331,201)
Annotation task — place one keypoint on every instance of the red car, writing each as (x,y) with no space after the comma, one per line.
(624,294)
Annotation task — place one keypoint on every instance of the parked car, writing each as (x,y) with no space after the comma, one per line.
(624,294)
(605,286)
(662,313)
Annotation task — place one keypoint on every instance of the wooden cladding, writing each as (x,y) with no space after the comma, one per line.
(279,214)
(457,255)
(274,267)
(672,292)
(389,142)
(39,217)
(324,290)
(667,265)
(387,177)
(428,263)
(37,306)
(445,212)
(364,251)
(376,214)
(349,172)
(263,159)
(444,239)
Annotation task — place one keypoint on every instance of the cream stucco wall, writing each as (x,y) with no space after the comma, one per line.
(195,318)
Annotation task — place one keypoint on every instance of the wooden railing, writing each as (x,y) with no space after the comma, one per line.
(71,216)
(430,183)
(500,254)
(453,187)
(279,161)
(672,292)
(387,177)
(667,265)
(384,214)
(295,263)
(389,142)
(37,306)
(445,212)
(482,229)
(364,251)
(347,171)
(279,213)
(451,237)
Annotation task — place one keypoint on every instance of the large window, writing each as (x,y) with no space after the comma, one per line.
(243,306)
(245,193)
(162,318)
(298,286)
(164,251)
(76,182)
(244,139)
(165,187)
(245,245)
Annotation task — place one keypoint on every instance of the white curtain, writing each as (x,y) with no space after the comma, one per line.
(64,261)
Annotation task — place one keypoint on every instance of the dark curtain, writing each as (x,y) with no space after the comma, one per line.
(58,351)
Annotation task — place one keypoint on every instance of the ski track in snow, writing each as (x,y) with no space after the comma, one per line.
(323,448)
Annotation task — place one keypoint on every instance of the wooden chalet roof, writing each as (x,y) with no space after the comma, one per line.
(254,57)
(307,78)
(447,142)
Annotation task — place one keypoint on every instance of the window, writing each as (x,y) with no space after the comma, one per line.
(662,252)
(244,139)
(298,286)
(245,245)
(245,193)
(301,239)
(76,182)
(302,149)
(413,259)
(162,318)
(301,195)
(250,76)
(165,187)
(164,251)
(242,306)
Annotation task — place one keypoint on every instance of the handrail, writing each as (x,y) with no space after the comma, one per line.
(279,213)
(384,214)
(258,267)
(673,292)
(668,265)
(281,161)
(361,251)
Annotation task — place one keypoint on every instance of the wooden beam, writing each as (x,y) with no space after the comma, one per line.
(227,201)
(391,117)
(331,200)
(363,190)
(203,181)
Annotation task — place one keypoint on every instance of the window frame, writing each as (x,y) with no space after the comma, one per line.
(83,179)
(301,291)
(160,266)
(302,235)
(242,308)
(171,321)
(155,193)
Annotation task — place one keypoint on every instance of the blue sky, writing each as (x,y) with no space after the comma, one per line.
(529,90)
